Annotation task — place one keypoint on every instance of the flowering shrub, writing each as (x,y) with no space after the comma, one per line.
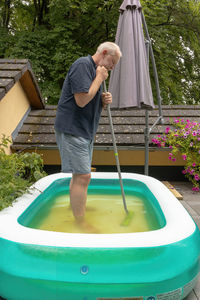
(184,137)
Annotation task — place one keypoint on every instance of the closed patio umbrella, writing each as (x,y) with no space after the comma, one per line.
(130,81)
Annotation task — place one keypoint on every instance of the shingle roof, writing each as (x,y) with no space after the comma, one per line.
(38,128)
(13,70)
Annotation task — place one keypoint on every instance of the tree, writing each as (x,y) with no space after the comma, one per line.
(6,14)
(41,12)
(174,27)
(52,34)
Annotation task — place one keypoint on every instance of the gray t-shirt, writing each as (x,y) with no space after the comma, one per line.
(70,118)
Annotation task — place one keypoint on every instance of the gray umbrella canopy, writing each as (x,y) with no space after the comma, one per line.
(130,82)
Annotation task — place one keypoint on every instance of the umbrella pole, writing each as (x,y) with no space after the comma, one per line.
(146,131)
(146,136)
(160,118)
(116,153)
(154,69)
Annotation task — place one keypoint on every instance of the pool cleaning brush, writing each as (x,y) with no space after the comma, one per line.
(129,215)
(128,218)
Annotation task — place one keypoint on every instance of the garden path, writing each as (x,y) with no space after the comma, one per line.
(191,202)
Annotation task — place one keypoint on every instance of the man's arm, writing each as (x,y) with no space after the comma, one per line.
(83,99)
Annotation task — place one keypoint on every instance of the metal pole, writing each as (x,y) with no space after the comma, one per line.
(116,152)
(146,130)
(154,68)
(160,120)
(146,137)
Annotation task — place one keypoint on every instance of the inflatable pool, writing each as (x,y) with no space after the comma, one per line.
(157,264)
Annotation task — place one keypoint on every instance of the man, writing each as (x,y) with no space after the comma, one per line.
(77,119)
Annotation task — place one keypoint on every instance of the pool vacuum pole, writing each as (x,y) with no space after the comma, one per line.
(116,153)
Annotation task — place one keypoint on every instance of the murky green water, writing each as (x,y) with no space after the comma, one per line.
(104,214)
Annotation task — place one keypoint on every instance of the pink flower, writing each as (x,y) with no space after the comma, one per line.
(167,129)
(196,189)
(184,156)
(194,164)
(196,177)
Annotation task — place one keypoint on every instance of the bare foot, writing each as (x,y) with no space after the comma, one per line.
(85,226)
(88,208)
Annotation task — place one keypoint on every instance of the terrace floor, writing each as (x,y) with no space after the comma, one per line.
(191,202)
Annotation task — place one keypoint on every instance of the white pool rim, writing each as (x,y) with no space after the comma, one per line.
(179,224)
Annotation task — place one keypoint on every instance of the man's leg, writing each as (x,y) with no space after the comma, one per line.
(78,194)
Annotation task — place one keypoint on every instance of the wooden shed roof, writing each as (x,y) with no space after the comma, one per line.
(38,129)
(13,70)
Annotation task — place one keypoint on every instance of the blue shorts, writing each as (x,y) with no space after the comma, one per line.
(75,152)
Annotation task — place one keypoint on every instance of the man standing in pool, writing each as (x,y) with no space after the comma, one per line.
(77,119)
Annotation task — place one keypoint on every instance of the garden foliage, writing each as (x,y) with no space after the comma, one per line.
(184,137)
(52,34)
(17,173)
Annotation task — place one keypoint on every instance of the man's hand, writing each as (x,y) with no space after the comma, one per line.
(83,99)
(102,72)
(106,99)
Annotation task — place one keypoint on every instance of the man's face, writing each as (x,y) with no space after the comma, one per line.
(109,61)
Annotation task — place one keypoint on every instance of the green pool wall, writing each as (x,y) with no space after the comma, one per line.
(38,272)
